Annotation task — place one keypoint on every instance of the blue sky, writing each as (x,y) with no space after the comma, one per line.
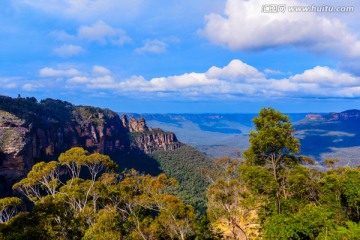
(181,56)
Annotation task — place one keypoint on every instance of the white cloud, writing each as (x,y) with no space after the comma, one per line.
(68,50)
(78,79)
(62,35)
(325,76)
(100,70)
(102,33)
(8,83)
(92,82)
(87,10)
(51,72)
(152,46)
(236,70)
(244,27)
(275,72)
(235,80)
(245,80)
(28,87)
(100,77)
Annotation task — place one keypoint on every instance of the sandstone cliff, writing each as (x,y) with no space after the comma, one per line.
(32,132)
(148,139)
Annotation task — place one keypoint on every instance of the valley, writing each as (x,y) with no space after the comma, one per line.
(322,135)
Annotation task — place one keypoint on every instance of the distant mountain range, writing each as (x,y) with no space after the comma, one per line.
(331,135)
(322,135)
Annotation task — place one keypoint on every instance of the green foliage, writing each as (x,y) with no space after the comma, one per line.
(94,115)
(351,193)
(273,140)
(24,226)
(258,179)
(305,224)
(273,147)
(49,112)
(104,205)
(351,231)
(8,208)
(291,201)
(37,113)
(185,164)
(106,227)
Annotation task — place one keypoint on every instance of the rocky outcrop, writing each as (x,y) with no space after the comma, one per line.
(32,132)
(148,139)
(15,160)
(155,140)
(138,125)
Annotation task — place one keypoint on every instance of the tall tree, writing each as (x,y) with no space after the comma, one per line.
(274,147)
(8,208)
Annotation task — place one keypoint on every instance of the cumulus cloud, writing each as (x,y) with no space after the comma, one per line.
(152,46)
(237,79)
(236,71)
(324,76)
(51,72)
(102,33)
(244,27)
(68,50)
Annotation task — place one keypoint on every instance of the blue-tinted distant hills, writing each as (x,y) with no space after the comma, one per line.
(331,135)
(322,135)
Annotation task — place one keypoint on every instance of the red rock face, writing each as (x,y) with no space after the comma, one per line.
(147,139)
(152,141)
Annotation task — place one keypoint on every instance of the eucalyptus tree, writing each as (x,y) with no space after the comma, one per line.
(274,147)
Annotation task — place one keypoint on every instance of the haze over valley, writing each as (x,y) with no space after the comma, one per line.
(322,135)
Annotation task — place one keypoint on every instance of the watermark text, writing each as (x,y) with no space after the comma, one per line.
(282,8)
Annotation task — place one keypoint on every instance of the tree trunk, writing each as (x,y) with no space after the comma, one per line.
(278,190)
(278,201)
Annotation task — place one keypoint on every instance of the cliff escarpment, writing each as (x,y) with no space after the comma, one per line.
(149,139)
(32,131)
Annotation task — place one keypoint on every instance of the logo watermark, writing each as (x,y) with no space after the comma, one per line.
(282,8)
